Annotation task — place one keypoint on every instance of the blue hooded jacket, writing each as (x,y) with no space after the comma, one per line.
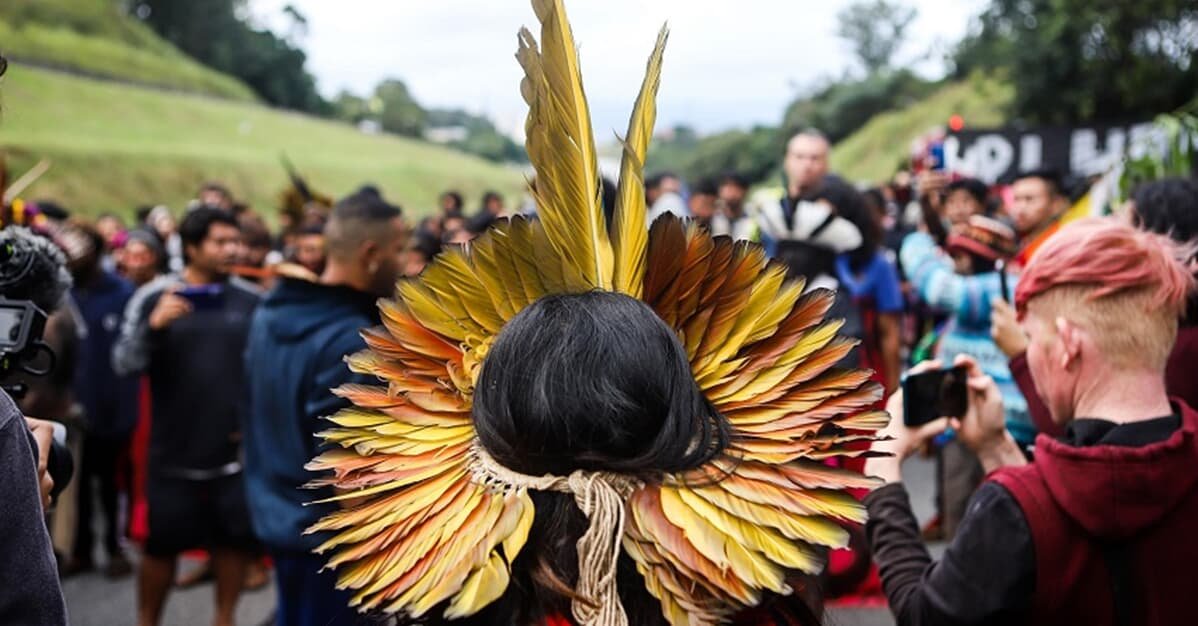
(109,400)
(298,340)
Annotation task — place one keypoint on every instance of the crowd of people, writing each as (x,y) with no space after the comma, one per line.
(198,352)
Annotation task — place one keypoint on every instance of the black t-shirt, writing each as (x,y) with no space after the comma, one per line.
(197,385)
(988,572)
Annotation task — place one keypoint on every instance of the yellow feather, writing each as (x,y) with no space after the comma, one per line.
(723,550)
(482,587)
(561,148)
(758,307)
(453,278)
(753,534)
(514,542)
(809,528)
(631,241)
(461,548)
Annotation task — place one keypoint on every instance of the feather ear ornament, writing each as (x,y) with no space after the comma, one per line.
(435,521)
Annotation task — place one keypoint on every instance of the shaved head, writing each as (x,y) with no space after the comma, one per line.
(365,239)
(357,220)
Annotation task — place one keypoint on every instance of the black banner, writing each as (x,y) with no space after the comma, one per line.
(997,155)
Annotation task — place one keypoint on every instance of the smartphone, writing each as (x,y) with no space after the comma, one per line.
(936,156)
(203,297)
(934,394)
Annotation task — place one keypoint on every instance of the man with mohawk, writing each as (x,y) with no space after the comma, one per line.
(1099,528)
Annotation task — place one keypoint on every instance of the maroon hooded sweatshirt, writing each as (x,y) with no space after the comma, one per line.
(1115,529)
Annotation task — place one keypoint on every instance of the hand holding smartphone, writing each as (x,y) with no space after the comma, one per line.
(933,394)
(203,297)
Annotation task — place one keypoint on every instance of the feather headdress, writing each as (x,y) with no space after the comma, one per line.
(299,197)
(436,522)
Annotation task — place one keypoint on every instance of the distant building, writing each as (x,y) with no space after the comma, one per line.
(446,134)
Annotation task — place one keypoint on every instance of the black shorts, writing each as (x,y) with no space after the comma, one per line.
(187,514)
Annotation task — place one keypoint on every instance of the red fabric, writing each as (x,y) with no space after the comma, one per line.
(1032,245)
(139,450)
(1145,498)
(1181,372)
(1035,406)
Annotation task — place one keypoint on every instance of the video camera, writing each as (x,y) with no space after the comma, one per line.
(22,324)
(33,279)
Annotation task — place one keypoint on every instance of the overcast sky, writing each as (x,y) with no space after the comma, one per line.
(729,63)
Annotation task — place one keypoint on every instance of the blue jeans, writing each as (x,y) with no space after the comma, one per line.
(308,596)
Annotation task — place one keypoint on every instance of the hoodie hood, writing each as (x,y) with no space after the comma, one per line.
(297,308)
(1113,492)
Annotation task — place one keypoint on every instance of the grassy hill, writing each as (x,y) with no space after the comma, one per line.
(93,37)
(873,153)
(116,146)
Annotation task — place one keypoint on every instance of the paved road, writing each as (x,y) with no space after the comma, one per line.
(93,600)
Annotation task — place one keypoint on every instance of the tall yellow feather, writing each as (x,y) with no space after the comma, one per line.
(561,148)
(631,241)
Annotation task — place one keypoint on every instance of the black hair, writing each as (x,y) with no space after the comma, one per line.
(365,205)
(196,224)
(96,242)
(489,196)
(53,210)
(426,244)
(593,381)
(734,178)
(142,213)
(217,187)
(1170,207)
(607,190)
(368,189)
(1050,176)
(705,187)
(973,187)
(654,181)
(356,219)
(254,232)
(458,201)
(153,241)
(311,229)
(874,199)
(850,205)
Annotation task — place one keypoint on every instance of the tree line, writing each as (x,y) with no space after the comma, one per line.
(1069,62)
(219,34)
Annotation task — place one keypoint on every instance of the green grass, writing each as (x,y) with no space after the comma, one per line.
(115,146)
(874,152)
(93,37)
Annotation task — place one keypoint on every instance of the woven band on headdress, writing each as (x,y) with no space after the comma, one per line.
(601,496)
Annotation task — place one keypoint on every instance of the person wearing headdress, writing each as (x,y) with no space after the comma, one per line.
(300,205)
(577,426)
